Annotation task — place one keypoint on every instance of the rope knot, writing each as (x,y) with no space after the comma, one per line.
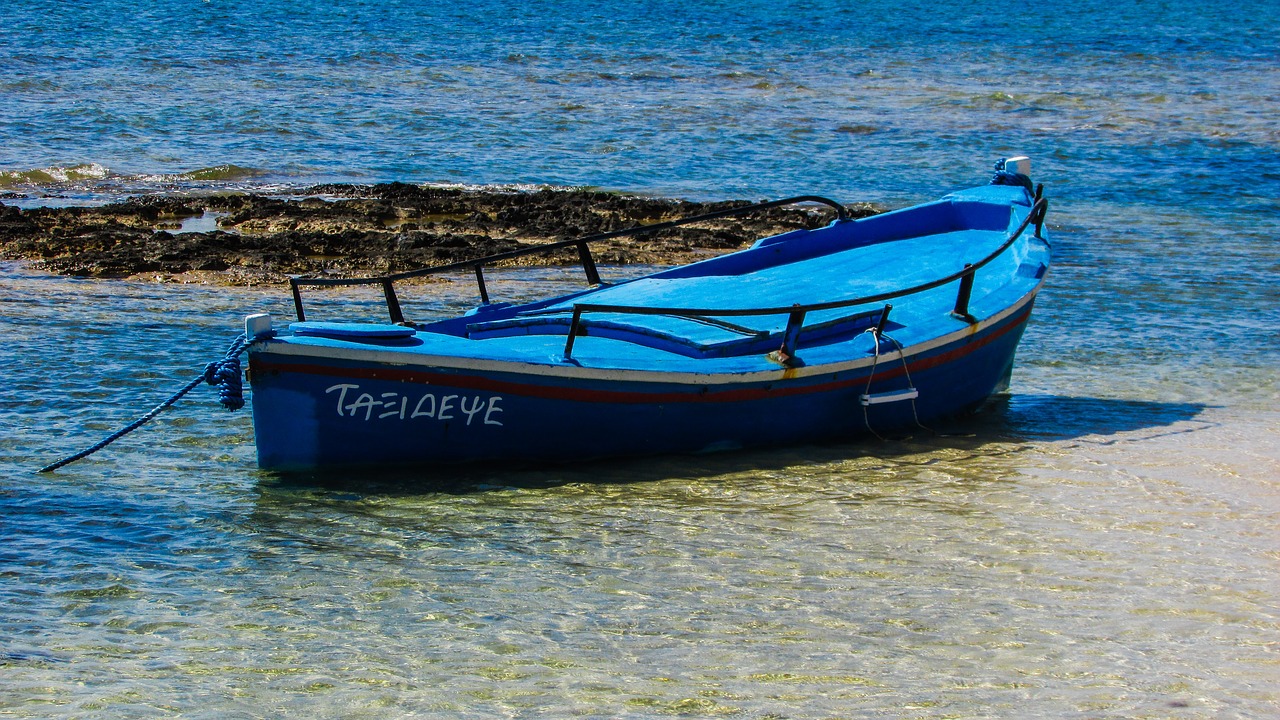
(225,374)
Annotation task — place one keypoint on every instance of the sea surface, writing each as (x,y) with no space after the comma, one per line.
(1103,542)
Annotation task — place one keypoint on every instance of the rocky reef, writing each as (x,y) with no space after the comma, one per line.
(362,230)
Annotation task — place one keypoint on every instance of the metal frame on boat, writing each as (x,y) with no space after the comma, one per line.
(699,357)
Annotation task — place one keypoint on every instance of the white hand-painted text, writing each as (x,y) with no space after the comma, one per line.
(354,403)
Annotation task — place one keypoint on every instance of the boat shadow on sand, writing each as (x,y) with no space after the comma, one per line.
(1007,423)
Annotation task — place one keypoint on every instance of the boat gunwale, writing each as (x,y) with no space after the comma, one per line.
(559,368)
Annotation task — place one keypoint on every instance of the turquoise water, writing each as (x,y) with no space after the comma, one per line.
(1101,544)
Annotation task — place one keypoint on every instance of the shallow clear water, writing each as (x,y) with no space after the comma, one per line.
(1087,548)
(1101,543)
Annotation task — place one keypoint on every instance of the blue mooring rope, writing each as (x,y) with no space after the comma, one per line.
(224,373)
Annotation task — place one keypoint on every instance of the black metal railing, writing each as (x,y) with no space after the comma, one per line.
(582,244)
(797,313)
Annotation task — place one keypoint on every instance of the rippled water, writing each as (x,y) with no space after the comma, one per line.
(1101,544)
(1079,551)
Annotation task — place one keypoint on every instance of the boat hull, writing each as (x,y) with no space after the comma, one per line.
(338,409)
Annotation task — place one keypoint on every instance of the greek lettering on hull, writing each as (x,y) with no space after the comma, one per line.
(353,403)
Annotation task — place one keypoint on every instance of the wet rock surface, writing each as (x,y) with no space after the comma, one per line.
(356,231)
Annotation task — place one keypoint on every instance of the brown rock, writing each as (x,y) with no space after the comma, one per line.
(371,230)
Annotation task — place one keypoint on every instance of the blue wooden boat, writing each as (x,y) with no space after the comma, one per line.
(868,326)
